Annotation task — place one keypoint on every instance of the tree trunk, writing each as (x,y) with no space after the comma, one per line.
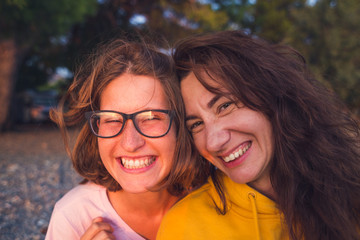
(8,65)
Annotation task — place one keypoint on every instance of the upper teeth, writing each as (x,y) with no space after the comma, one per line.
(138,163)
(237,154)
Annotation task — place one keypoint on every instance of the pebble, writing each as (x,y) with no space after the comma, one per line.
(35,172)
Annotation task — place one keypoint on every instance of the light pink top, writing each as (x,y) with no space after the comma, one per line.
(74,212)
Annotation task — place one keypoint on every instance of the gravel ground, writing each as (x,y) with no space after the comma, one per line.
(34,173)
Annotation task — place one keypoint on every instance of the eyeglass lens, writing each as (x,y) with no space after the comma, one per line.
(149,123)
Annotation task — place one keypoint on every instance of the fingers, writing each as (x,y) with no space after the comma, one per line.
(98,230)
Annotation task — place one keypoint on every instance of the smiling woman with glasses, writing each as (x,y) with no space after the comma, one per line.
(133,151)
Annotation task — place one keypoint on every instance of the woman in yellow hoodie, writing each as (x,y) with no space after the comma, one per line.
(284,150)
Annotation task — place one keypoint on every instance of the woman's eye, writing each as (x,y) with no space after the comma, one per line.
(224,106)
(195,127)
(112,120)
(153,117)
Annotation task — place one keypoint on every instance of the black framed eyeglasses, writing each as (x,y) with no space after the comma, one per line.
(152,123)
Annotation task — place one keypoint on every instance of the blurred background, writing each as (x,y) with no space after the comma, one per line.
(41,42)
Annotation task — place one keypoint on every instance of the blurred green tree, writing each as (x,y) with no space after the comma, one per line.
(31,27)
(273,19)
(170,19)
(328,35)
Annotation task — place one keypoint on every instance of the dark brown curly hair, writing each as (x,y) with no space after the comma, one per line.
(315,171)
(108,62)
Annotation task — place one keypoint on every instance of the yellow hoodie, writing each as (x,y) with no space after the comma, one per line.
(251,215)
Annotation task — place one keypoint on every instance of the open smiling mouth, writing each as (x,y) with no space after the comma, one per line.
(130,163)
(241,151)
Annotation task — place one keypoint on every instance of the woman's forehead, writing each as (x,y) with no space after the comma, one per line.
(129,93)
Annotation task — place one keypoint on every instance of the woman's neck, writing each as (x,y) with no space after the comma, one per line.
(264,187)
(147,202)
(143,212)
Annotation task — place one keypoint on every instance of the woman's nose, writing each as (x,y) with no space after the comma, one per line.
(131,140)
(216,137)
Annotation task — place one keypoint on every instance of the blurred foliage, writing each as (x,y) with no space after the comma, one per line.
(169,19)
(37,27)
(272,19)
(33,21)
(55,33)
(328,34)
(31,43)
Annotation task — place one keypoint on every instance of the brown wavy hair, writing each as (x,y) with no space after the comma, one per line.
(315,171)
(106,63)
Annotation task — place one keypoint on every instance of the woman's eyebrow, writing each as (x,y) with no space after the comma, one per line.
(190,117)
(213,101)
(210,104)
